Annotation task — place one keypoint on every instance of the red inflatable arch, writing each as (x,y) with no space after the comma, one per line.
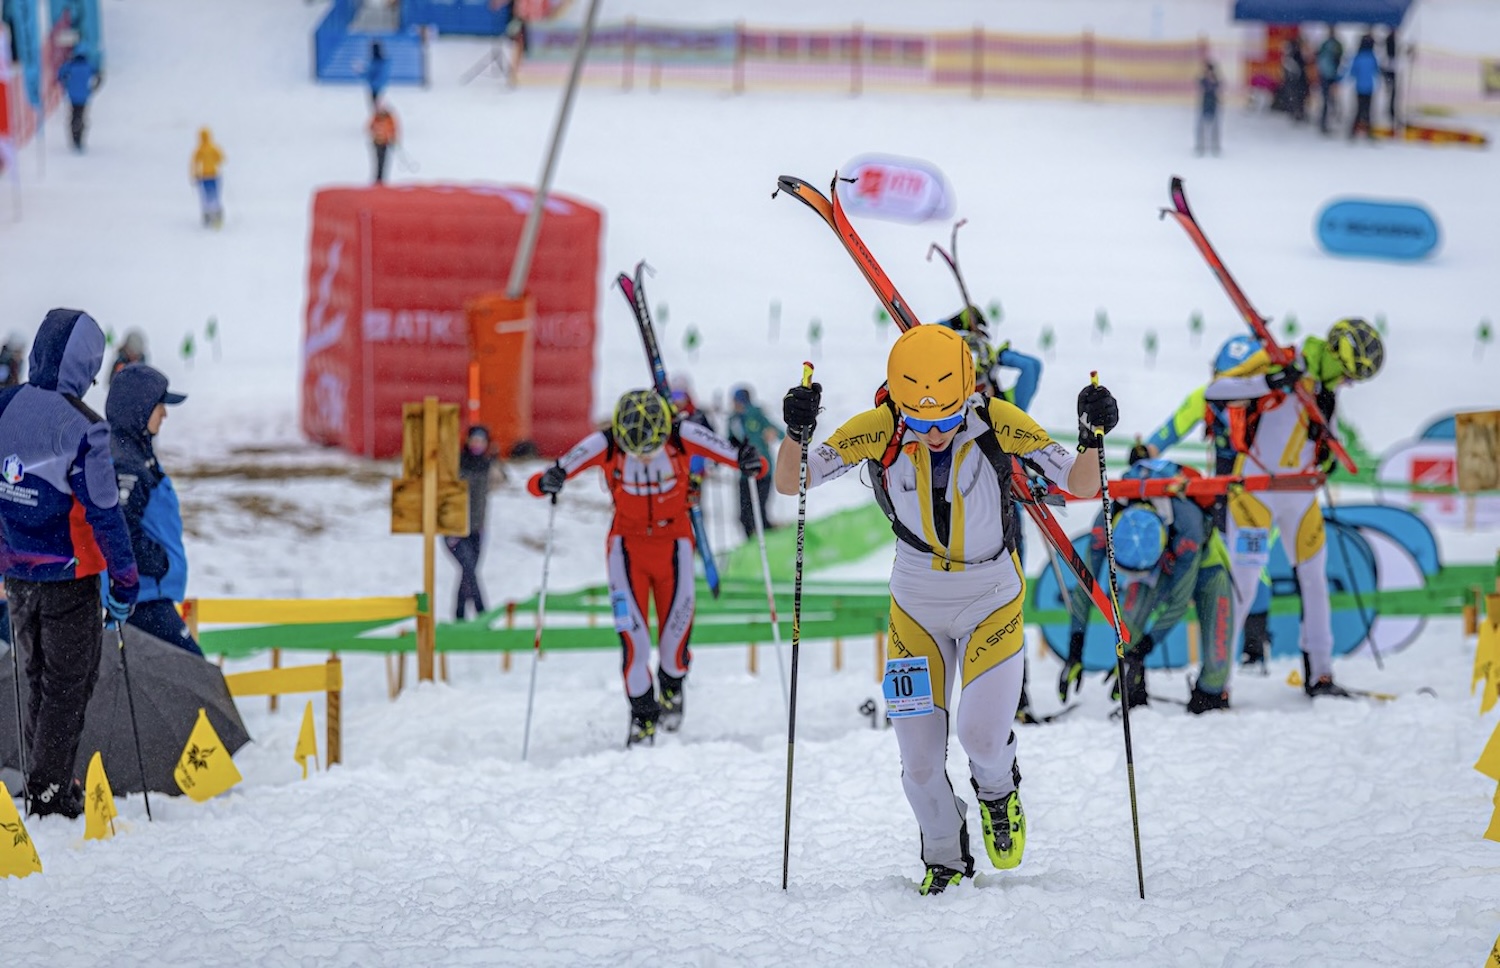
(390,270)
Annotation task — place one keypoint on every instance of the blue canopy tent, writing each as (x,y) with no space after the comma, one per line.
(1387,12)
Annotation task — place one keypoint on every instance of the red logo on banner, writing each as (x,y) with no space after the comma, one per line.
(896,188)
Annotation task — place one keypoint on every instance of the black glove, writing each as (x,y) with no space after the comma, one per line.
(1142,646)
(1096,409)
(1284,379)
(799,411)
(1071,678)
(552,480)
(751,463)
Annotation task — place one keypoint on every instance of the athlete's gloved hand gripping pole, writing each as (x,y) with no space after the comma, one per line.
(802,418)
(1097,415)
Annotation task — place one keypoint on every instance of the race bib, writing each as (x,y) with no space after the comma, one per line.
(619,603)
(1252,546)
(907,687)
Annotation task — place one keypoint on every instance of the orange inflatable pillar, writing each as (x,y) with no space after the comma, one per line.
(500,347)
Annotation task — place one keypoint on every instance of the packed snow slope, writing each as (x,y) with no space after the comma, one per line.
(1281,833)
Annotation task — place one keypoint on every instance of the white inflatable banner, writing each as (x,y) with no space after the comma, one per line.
(903,189)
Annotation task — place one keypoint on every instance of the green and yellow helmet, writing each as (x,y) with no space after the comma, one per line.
(1358,348)
(642,422)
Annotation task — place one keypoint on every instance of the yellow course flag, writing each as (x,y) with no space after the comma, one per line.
(1485,655)
(1494,959)
(307,741)
(1491,692)
(1493,833)
(17,853)
(1294,678)
(1489,760)
(98,803)
(205,769)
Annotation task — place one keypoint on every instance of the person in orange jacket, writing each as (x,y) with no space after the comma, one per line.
(383,135)
(644,455)
(207,160)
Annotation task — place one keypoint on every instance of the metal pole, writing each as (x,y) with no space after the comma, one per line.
(541,622)
(140,761)
(519,269)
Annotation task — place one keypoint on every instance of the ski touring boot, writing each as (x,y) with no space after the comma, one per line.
(672,700)
(1257,643)
(1322,686)
(1201,702)
(1135,679)
(940,877)
(1004,825)
(644,713)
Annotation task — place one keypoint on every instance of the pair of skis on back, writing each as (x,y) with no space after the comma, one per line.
(635,294)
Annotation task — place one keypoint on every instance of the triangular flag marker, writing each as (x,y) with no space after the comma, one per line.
(98,802)
(205,769)
(17,853)
(1294,678)
(1489,760)
(1493,833)
(307,741)
(1485,654)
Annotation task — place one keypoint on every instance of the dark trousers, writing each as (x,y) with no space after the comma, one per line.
(76,123)
(1207,134)
(747,510)
(1329,107)
(1362,115)
(59,631)
(380,153)
(159,618)
(466,552)
(1390,90)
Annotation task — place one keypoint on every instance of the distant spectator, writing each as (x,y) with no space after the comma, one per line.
(80,80)
(748,424)
(1364,69)
(136,406)
(1207,132)
(1388,72)
(383,136)
(520,44)
(205,171)
(377,72)
(133,350)
(1330,72)
(1291,97)
(12,360)
(477,466)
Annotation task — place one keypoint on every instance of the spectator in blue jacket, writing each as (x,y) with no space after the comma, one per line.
(61,526)
(1364,69)
(377,72)
(79,78)
(1330,72)
(137,405)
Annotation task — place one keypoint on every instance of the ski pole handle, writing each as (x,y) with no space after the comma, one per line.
(807,372)
(1094,381)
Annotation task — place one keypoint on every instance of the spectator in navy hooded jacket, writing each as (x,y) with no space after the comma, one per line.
(60,527)
(79,78)
(137,404)
(377,72)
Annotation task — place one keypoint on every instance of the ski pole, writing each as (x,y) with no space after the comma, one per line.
(541,617)
(15,661)
(1359,601)
(765,570)
(406,160)
(140,761)
(1114,601)
(791,716)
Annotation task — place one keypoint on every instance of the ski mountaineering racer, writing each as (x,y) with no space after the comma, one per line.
(645,455)
(956,583)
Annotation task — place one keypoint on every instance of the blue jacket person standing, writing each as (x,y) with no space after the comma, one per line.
(60,527)
(79,78)
(137,405)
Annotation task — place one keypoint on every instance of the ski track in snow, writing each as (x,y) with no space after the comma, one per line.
(1282,833)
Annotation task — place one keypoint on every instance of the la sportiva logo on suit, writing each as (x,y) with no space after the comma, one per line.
(12,469)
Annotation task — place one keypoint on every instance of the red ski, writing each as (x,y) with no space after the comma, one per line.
(1194,487)
(1280,355)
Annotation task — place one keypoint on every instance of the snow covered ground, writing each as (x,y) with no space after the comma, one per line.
(1280,834)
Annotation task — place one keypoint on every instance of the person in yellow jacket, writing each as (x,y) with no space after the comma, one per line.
(936,456)
(207,160)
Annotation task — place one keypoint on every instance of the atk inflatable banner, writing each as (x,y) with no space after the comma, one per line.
(1402,231)
(903,189)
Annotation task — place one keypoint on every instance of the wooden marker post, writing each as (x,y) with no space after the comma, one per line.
(429,499)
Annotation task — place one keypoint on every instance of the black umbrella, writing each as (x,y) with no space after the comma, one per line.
(170,685)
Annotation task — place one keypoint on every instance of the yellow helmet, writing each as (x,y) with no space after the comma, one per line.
(930,373)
